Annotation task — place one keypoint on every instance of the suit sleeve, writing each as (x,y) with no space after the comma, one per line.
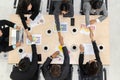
(66,64)
(96,51)
(23,19)
(6,22)
(34,63)
(6,49)
(45,67)
(105,13)
(86,10)
(56,15)
(36,7)
(70,12)
(81,59)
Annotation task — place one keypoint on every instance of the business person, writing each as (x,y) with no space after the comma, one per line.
(94,7)
(65,8)
(26,69)
(57,71)
(28,7)
(4,36)
(92,67)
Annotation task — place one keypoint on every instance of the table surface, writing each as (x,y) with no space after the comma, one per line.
(101,36)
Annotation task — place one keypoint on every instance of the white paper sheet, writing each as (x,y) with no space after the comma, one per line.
(38,20)
(36,38)
(88,49)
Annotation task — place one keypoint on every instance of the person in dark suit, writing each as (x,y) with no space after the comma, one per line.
(28,7)
(65,8)
(94,7)
(57,71)
(92,67)
(4,35)
(26,69)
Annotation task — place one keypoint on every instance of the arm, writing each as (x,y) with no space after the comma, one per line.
(56,15)
(86,9)
(65,67)
(9,48)
(6,22)
(81,59)
(34,54)
(70,12)
(96,51)
(23,19)
(35,9)
(6,49)
(66,64)
(81,56)
(45,67)
(105,13)
(95,48)
(66,56)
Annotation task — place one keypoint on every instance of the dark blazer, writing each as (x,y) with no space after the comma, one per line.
(65,67)
(87,9)
(34,11)
(83,67)
(28,75)
(57,13)
(4,40)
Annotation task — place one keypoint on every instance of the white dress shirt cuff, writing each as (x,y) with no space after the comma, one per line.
(32,42)
(15,26)
(97,20)
(63,45)
(88,25)
(14,46)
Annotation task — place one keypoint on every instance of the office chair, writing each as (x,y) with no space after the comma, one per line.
(15,4)
(102,75)
(51,5)
(81,7)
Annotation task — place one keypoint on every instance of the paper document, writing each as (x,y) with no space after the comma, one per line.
(38,20)
(85,30)
(64,27)
(88,49)
(36,39)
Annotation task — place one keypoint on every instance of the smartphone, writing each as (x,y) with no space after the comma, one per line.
(72,21)
(39,57)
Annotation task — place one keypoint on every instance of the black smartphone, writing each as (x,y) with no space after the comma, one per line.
(39,57)
(72,21)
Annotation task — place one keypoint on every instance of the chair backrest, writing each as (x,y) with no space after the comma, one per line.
(81,7)
(102,75)
(51,5)
(16,2)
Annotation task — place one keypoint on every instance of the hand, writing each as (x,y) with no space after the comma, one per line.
(18,44)
(54,55)
(64,12)
(18,27)
(29,36)
(91,34)
(28,21)
(81,48)
(92,21)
